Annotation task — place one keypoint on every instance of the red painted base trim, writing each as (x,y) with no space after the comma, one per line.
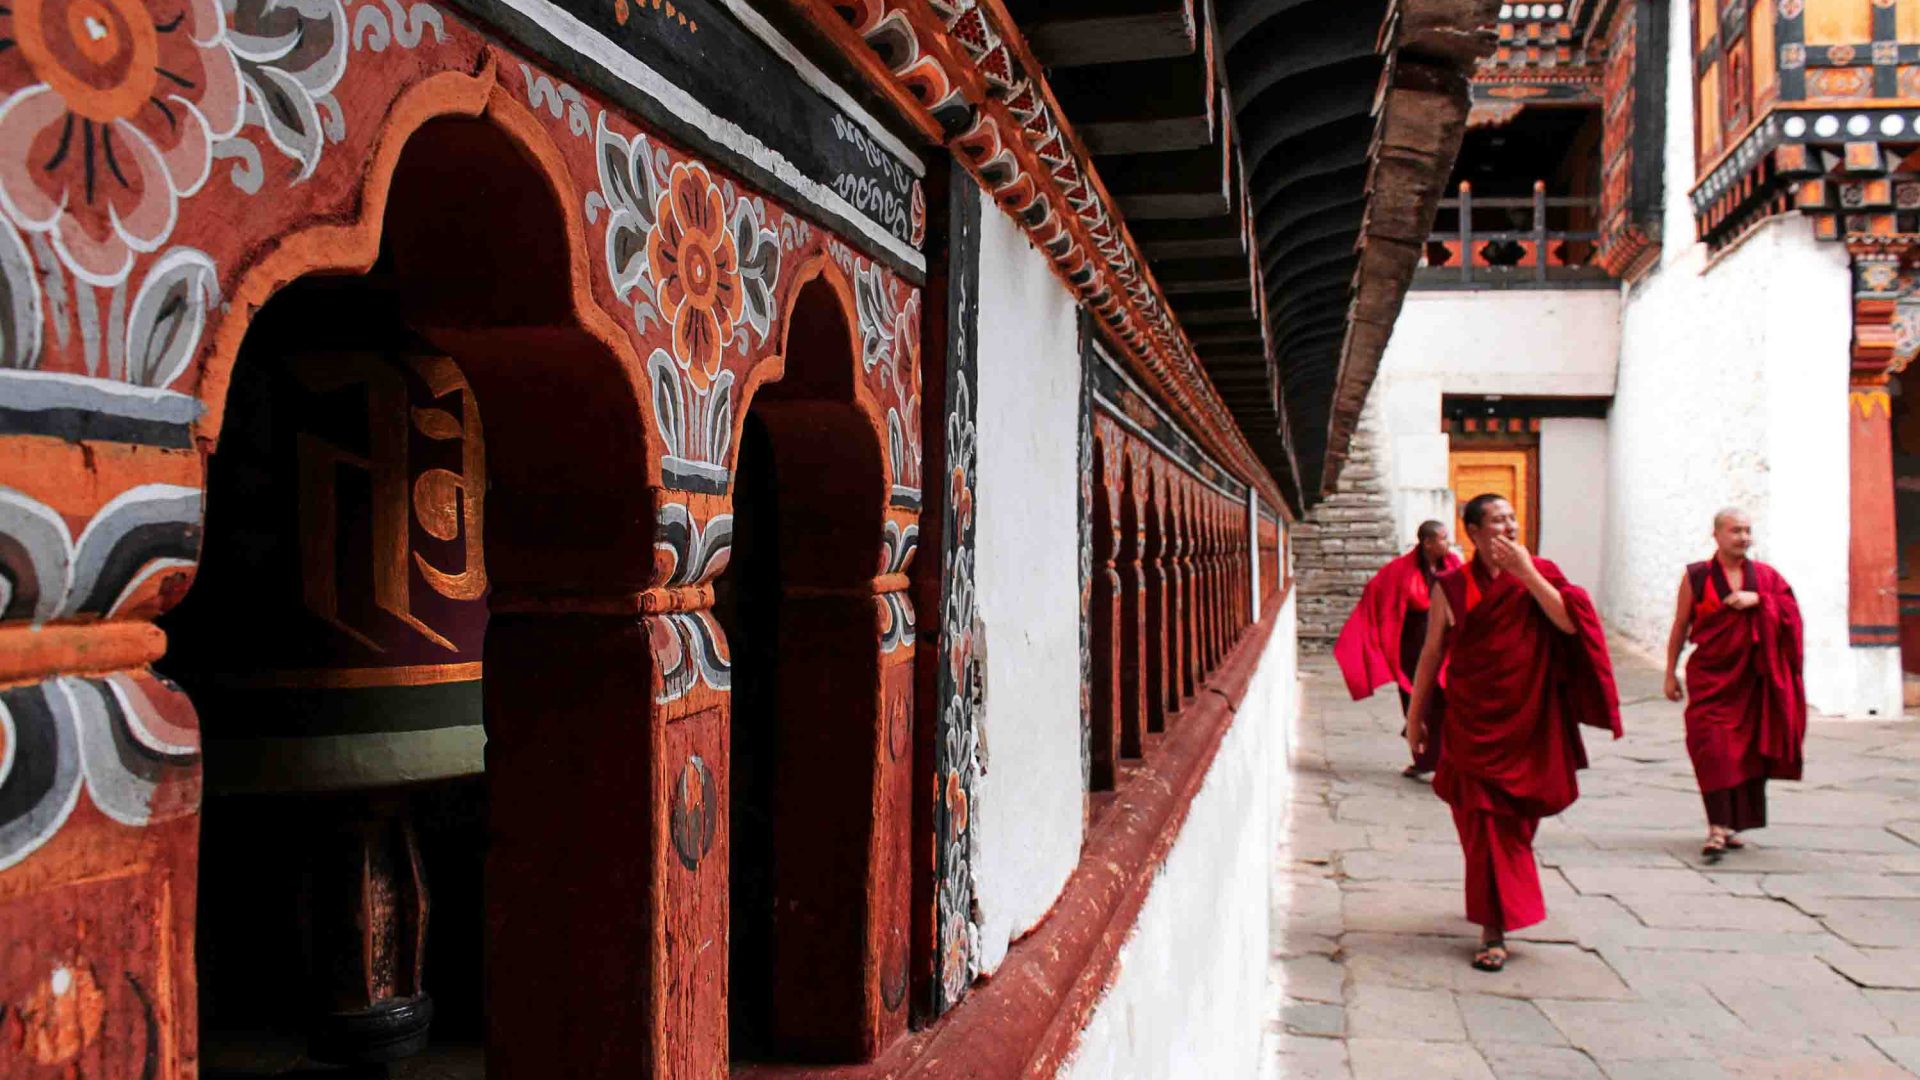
(1025,1019)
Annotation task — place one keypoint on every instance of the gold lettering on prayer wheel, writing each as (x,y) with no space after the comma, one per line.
(332,637)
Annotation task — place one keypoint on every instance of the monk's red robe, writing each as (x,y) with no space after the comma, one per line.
(1369,647)
(1380,643)
(1518,690)
(1746,698)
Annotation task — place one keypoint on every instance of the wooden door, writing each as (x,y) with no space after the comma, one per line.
(1509,472)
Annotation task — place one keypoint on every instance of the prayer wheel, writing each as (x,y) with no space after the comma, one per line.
(332,644)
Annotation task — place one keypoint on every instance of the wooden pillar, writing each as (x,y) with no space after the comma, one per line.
(1133,606)
(1209,587)
(1159,596)
(1217,572)
(1196,594)
(1873,609)
(1179,642)
(98,844)
(1105,619)
(1241,571)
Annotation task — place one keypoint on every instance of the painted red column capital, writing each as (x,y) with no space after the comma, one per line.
(1873,606)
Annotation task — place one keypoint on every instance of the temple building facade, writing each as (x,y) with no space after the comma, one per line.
(693,538)
(1672,273)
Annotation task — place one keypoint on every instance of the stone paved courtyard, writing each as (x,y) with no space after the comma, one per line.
(1799,958)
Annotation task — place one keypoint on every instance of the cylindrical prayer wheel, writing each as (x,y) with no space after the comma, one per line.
(332,638)
(332,644)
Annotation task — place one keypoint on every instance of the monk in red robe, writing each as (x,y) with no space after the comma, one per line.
(1381,640)
(1526,664)
(1747,707)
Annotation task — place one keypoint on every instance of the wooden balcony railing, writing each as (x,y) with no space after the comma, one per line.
(1461,254)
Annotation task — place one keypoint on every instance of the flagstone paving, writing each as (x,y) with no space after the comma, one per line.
(1798,959)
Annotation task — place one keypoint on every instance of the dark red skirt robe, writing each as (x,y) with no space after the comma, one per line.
(1518,690)
(1746,698)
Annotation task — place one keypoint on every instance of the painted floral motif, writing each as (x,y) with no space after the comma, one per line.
(688,644)
(1906,328)
(1086,579)
(959,761)
(874,304)
(19,302)
(759,259)
(889,317)
(121,104)
(897,547)
(139,545)
(292,53)
(959,754)
(677,254)
(696,270)
(128,739)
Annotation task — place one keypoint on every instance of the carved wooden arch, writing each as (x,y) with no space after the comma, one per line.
(1131,633)
(569,552)
(638,759)
(1208,609)
(772,370)
(836,918)
(1156,557)
(331,247)
(1104,613)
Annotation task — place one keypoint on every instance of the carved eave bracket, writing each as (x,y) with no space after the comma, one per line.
(962,73)
(1881,278)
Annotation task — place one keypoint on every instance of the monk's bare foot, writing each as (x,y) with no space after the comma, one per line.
(1733,841)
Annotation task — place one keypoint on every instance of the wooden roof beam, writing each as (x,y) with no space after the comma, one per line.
(1182,184)
(1071,33)
(1146,105)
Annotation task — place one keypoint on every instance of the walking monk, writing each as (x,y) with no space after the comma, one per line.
(1381,641)
(1526,663)
(1747,719)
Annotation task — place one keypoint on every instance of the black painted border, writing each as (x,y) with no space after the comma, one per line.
(529,33)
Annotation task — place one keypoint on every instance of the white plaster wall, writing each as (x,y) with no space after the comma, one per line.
(1509,341)
(1190,995)
(1028,806)
(1552,342)
(1573,497)
(1417,480)
(1732,390)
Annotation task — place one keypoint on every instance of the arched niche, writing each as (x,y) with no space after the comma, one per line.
(1161,700)
(1104,620)
(489,275)
(820,731)
(1133,612)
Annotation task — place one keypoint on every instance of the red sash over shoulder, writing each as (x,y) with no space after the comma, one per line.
(1746,699)
(1368,649)
(1518,690)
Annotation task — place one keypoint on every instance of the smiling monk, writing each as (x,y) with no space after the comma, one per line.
(1526,663)
(1747,716)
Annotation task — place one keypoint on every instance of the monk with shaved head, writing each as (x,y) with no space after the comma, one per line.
(1526,664)
(1381,640)
(1746,698)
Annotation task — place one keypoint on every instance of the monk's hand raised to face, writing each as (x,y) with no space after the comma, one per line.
(1742,600)
(1509,556)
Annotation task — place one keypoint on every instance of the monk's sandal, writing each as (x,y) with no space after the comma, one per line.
(1491,957)
(1713,849)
